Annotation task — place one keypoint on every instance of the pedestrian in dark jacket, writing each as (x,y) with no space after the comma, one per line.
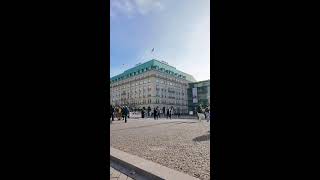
(125,113)
(168,113)
(149,111)
(128,111)
(154,113)
(112,112)
(158,112)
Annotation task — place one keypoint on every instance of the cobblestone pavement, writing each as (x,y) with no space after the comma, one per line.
(180,144)
(117,175)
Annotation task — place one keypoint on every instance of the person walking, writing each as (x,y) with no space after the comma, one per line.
(125,113)
(142,113)
(168,112)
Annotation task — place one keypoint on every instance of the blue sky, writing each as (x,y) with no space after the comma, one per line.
(178,30)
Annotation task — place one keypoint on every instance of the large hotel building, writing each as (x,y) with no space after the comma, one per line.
(151,84)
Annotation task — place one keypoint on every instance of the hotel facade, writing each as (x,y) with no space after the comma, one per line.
(151,84)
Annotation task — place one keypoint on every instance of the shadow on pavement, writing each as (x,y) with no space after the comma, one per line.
(205,137)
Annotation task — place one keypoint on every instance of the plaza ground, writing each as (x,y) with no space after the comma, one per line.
(180,144)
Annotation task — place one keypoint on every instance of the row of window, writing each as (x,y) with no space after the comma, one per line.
(147,69)
(170,90)
(145,96)
(149,101)
(147,81)
(178,92)
(134,84)
(130,75)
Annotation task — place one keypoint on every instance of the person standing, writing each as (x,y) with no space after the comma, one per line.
(142,113)
(198,110)
(125,113)
(158,112)
(118,113)
(171,112)
(206,114)
(112,113)
(168,113)
(129,110)
(149,111)
(154,113)
(164,111)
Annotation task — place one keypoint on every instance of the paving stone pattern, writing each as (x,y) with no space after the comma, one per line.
(183,145)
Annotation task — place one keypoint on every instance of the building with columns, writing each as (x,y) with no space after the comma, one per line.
(151,84)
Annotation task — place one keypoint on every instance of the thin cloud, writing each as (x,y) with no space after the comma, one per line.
(189,52)
(134,7)
(182,38)
(146,6)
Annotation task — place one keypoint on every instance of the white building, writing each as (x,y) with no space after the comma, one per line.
(151,84)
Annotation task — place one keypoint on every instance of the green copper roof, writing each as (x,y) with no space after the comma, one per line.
(152,64)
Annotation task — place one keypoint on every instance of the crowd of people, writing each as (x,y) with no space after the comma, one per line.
(156,113)
(203,110)
(119,112)
(123,112)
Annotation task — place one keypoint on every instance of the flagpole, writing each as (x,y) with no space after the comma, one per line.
(152,53)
